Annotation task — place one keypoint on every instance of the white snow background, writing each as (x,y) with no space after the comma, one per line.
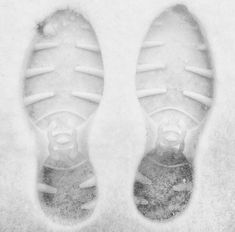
(118,135)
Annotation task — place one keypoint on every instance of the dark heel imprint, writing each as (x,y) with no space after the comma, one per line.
(175,88)
(63,87)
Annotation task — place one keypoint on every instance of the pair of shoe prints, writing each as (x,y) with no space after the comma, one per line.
(63,87)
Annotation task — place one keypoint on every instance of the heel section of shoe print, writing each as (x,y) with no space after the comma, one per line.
(63,86)
(175,80)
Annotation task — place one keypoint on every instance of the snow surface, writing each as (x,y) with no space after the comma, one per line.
(117,137)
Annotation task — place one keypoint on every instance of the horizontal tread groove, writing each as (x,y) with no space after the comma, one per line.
(151,44)
(198,97)
(150,92)
(88,47)
(33,72)
(90,71)
(45,45)
(44,188)
(88,183)
(92,97)
(150,67)
(32,99)
(208,73)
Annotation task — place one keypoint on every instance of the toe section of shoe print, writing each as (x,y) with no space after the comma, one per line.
(63,87)
(174,80)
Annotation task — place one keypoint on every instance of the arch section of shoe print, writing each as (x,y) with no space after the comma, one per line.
(174,80)
(63,85)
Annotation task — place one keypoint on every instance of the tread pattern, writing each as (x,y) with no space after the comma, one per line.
(176,86)
(63,88)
